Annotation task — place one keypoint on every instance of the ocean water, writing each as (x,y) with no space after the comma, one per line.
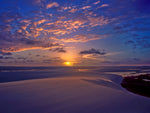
(74,68)
(11,73)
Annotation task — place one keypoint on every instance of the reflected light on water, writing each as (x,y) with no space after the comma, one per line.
(83,70)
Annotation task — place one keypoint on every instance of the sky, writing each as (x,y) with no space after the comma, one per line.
(82,32)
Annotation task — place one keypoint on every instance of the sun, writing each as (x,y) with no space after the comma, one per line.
(68,63)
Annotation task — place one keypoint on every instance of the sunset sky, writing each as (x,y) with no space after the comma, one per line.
(82,32)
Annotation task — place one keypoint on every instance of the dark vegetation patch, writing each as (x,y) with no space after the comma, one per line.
(138,84)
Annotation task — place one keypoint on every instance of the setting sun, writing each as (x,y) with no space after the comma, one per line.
(68,63)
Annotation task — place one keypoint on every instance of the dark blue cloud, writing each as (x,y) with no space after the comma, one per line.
(93,51)
(61,50)
(2,57)
(136,59)
(5,53)
(22,58)
(38,55)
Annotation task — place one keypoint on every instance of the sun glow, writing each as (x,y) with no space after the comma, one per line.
(68,63)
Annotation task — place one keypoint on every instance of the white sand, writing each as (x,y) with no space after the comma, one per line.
(69,95)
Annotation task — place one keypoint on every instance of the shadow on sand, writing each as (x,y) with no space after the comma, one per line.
(20,76)
(106,83)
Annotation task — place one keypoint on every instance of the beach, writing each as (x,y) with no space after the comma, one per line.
(68,92)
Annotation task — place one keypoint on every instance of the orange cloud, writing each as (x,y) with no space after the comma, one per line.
(95,21)
(86,7)
(96,2)
(21,46)
(54,4)
(61,17)
(38,28)
(66,8)
(63,27)
(73,10)
(39,22)
(104,5)
(25,21)
(80,38)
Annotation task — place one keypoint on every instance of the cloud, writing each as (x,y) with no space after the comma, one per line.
(29,61)
(62,27)
(40,27)
(22,58)
(143,43)
(60,50)
(53,60)
(32,2)
(140,42)
(65,8)
(73,10)
(8,45)
(98,55)
(146,37)
(83,38)
(129,42)
(89,56)
(103,5)
(32,29)
(54,4)
(80,38)
(93,51)
(47,61)
(38,55)
(30,24)
(2,62)
(86,7)
(98,21)
(96,2)
(117,28)
(113,53)
(136,59)
(2,57)
(5,53)
(39,22)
